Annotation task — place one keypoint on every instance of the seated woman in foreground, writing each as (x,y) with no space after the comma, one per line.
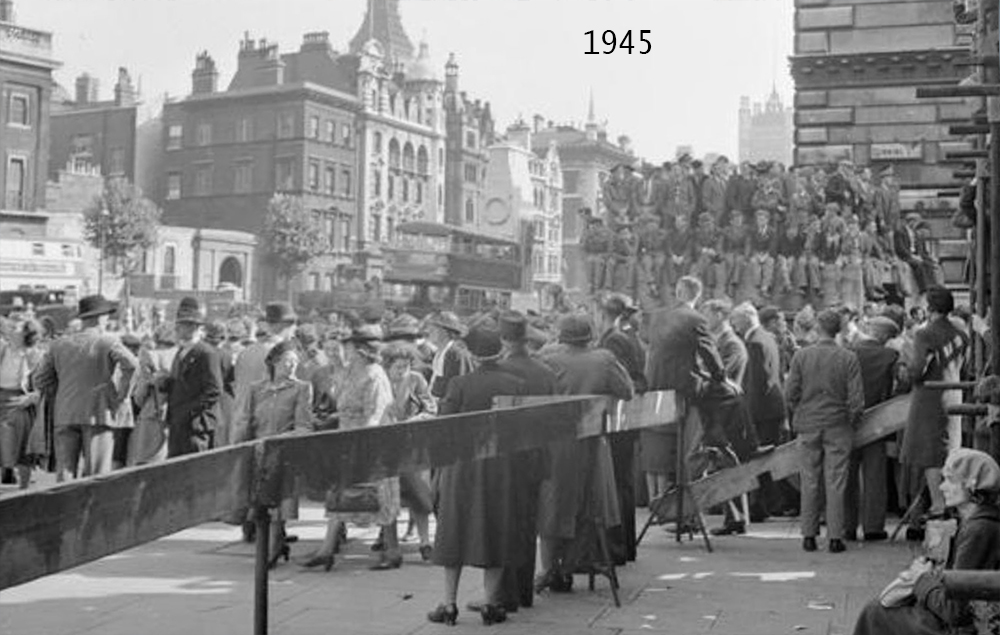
(916,604)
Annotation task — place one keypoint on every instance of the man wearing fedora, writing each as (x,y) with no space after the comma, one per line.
(279,325)
(79,370)
(452,358)
(194,385)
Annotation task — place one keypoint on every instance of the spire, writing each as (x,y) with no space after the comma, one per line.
(591,118)
(383,23)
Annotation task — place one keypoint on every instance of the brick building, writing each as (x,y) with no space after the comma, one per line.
(87,131)
(470,132)
(586,157)
(26,67)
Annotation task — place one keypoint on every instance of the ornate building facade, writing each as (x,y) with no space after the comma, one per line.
(767,131)
(470,133)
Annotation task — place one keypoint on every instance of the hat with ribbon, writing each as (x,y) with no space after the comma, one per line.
(93,306)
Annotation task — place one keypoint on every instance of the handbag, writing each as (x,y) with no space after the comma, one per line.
(361,497)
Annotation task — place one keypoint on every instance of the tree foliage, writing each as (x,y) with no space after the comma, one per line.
(127,228)
(293,236)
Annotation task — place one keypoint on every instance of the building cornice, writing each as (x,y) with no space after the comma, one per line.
(408,126)
(307,90)
(903,68)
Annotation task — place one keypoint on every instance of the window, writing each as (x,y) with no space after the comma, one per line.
(284,174)
(553,263)
(314,127)
(571,181)
(345,176)
(346,234)
(328,227)
(331,131)
(331,281)
(390,229)
(314,281)
(408,157)
(117,166)
(470,173)
(392,187)
(83,145)
(470,139)
(169,260)
(203,180)
(422,160)
(470,211)
(376,182)
(244,129)
(203,134)
(174,136)
(173,186)
(243,181)
(538,261)
(67,251)
(16,183)
(406,190)
(19,113)
(346,135)
(393,154)
(314,176)
(377,142)
(376,227)
(419,195)
(286,125)
(331,180)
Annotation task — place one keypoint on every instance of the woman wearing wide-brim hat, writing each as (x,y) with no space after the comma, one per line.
(363,401)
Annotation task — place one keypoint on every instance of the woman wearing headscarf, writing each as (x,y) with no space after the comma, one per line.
(18,358)
(363,402)
(279,404)
(916,604)
(474,499)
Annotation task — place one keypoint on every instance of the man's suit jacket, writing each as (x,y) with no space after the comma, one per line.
(679,339)
(457,362)
(629,353)
(80,370)
(193,393)
(762,383)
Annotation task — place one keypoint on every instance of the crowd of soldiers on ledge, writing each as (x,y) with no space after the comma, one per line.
(834,234)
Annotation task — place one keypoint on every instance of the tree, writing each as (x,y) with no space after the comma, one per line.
(122,224)
(293,237)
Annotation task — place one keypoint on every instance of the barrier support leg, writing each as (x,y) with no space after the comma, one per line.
(263,520)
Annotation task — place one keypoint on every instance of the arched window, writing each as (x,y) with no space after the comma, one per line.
(408,157)
(377,142)
(406,190)
(393,153)
(407,108)
(392,103)
(470,211)
(231,271)
(422,160)
(169,260)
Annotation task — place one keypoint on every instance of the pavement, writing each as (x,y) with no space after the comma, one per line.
(200,581)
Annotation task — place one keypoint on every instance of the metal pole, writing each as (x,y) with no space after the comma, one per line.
(263,520)
(994,255)
(100,243)
(681,468)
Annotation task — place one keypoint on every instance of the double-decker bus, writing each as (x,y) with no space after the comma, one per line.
(433,266)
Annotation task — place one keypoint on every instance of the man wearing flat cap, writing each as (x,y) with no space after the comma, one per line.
(80,370)
(866,494)
(194,386)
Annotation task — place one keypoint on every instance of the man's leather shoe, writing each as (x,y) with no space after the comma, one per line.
(851,536)
(809,544)
(736,527)
(837,545)
(915,534)
(875,536)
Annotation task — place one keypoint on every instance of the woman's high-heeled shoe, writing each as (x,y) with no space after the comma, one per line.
(320,560)
(444,614)
(493,614)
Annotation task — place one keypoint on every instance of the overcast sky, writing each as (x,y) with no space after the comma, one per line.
(524,56)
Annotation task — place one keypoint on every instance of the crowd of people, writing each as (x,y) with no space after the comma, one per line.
(91,400)
(833,235)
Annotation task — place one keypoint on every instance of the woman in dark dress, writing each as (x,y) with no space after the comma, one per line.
(971,486)
(474,499)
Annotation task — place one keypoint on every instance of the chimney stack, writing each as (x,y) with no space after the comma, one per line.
(625,143)
(205,77)
(519,134)
(451,75)
(86,89)
(124,90)
(539,122)
(7,11)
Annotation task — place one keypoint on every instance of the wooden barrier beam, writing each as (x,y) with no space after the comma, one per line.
(972,585)
(950,385)
(965,129)
(965,154)
(48,530)
(784,461)
(968,409)
(343,457)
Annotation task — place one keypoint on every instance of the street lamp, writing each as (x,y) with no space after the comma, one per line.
(102,215)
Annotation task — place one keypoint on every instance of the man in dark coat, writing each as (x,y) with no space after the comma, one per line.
(682,355)
(452,358)
(193,387)
(527,466)
(619,337)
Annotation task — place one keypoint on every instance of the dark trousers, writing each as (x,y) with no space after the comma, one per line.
(181,440)
(517,586)
(867,493)
(623,450)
